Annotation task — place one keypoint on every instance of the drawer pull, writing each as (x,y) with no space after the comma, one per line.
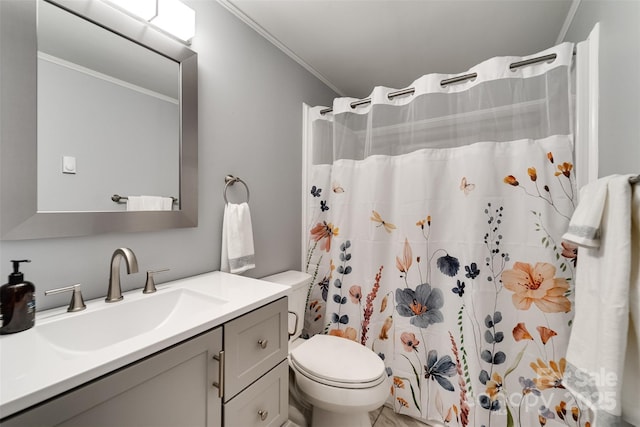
(263,414)
(263,343)
(220,384)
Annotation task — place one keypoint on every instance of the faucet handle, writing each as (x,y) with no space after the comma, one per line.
(77,303)
(150,286)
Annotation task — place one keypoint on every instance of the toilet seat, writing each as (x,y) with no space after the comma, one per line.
(354,366)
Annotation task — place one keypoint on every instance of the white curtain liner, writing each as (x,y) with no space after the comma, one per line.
(491,69)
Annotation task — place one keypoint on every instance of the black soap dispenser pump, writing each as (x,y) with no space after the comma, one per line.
(17,302)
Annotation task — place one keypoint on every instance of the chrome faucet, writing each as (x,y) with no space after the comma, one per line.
(115,291)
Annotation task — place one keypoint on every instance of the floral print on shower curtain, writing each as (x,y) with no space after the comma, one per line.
(451,269)
(448,263)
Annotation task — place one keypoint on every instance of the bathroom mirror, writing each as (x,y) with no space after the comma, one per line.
(113,155)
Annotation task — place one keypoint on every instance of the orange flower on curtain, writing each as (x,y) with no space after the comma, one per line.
(407,257)
(545,334)
(348,333)
(520,332)
(323,232)
(549,375)
(538,285)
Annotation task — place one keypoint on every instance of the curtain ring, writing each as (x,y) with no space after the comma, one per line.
(230,180)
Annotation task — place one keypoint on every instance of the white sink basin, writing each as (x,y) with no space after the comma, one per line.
(113,323)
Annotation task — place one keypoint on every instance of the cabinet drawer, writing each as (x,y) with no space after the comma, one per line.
(265,403)
(253,344)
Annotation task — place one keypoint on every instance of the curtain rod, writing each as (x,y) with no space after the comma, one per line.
(458,79)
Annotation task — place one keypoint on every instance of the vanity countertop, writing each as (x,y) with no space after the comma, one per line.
(32,369)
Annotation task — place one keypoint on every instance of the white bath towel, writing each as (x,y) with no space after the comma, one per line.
(630,383)
(237,254)
(149,203)
(601,225)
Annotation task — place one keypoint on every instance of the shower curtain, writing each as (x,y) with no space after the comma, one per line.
(433,224)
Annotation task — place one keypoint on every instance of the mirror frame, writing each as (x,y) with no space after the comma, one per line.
(19,216)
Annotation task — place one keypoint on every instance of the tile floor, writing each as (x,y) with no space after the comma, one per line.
(385,417)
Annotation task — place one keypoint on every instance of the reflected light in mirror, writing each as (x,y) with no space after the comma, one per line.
(171,16)
(145,9)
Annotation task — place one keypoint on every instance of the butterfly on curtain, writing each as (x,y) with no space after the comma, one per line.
(315,192)
(466,187)
(388,227)
(337,188)
(323,205)
(459,288)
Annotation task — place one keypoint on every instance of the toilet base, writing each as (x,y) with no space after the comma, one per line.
(322,418)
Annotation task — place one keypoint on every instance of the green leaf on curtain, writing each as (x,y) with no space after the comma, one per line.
(465,364)
(414,370)
(516,362)
(413,394)
(509,417)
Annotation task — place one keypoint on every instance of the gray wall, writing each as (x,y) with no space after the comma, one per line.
(250,112)
(619,121)
(619,67)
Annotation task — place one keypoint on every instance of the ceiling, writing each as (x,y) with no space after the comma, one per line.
(354,45)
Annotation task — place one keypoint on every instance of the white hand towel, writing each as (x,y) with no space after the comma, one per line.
(149,203)
(584,227)
(598,341)
(237,255)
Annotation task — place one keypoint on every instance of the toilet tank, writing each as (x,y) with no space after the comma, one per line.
(298,283)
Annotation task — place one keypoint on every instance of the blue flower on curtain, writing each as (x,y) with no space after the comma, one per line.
(459,288)
(438,369)
(472,270)
(448,265)
(422,305)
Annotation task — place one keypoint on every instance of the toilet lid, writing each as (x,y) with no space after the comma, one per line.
(339,361)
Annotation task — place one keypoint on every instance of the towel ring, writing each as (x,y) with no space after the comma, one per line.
(230,180)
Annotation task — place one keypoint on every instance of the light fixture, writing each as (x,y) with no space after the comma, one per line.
(172,16)
(176,18)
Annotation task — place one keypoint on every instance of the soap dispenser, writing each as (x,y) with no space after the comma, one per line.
(17,302)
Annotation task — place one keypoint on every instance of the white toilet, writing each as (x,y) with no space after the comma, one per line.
(340,378)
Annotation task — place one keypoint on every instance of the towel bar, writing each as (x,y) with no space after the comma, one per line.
(230,180)
(121,199)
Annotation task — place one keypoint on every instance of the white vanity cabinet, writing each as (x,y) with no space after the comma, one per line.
(171,388)
(221,377)
(254,344)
